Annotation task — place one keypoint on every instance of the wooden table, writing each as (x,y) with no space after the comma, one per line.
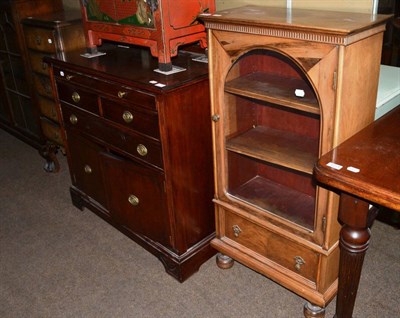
(365,170)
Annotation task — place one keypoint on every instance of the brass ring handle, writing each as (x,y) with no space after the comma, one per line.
(142,150)
(75,97)
(44,66)
(69,77)
(73,119)
(133,199)
(121,94)
(88,169)
(299,262)
(127,116)
(236,230)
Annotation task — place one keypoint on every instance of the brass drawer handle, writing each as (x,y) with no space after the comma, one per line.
(69,77)
(73,119)
(215,118)
(236,230)
(299,262)
(142,150)
(121,94)
(133,199)
(38,40)
(88,169)
(127,117)
(75,97)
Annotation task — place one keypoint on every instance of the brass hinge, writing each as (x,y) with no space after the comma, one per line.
(324,224)
(334,80)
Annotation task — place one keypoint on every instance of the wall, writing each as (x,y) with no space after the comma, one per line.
(337,5)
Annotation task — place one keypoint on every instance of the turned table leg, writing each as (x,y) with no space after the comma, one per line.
(354,242)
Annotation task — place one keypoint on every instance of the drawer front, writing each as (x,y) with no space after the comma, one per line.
(78,97)
(43,85)
(37,63)
(40,39)
(140,147)
(47,108)
(276,248)
(51,131)
(108,89)
(138,119)
(136,197)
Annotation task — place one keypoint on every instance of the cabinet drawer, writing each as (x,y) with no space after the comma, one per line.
(78,96)
(43,85)
(51,131)
(276,248)
(136,197)
(47,108)
(144,149)
(40,39)
(37,63)
(138,119)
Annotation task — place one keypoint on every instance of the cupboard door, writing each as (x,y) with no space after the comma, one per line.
(85,167)
(136,198)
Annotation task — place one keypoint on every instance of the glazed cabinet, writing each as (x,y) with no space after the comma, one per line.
(18,114)
(139,149)
(51,34)
(286,87)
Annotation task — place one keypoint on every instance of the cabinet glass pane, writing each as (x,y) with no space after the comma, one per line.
(272,127)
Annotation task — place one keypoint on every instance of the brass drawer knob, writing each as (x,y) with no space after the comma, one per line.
(75,97)
(236,230)
(215,118)
(133,199)
(299,262)
(127,117)
(121,94)
(88,169)
(38,40)
(73,119)
(44,66)
(142,150)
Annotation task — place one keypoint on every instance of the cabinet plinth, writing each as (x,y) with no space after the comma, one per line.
(285,89)
(140,154)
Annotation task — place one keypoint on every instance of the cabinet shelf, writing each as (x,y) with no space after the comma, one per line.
(278,147)
(274,89)
(278,199)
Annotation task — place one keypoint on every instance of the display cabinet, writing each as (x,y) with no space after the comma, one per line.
(286,87)
(18,114)
(161,25)
(50,35)
(139,150)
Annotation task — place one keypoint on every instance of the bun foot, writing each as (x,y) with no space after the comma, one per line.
(224,262)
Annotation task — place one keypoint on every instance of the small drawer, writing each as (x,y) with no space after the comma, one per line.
(138,119)
(78,97)
(47,108)
(43,85)
(40,39)
(276,248)
(144,149)
(51,131)
(37,63)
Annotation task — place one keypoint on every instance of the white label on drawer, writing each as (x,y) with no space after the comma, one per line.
(334,165)
(160,85)
(62,73)
(49,41)
(299,92)
(353,169)
(153,82)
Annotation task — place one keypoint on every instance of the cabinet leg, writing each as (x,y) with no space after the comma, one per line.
(49,152)
(312,311)
(224,261)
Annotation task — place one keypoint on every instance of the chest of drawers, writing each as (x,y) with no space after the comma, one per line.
(139,150)
(50,35)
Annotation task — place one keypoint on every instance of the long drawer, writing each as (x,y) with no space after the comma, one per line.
(270,245)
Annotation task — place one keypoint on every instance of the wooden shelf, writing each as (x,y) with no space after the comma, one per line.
(274,89)
(278,147)
(278,199)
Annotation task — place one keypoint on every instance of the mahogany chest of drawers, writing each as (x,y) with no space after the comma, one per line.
(50,35)
(139,150)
